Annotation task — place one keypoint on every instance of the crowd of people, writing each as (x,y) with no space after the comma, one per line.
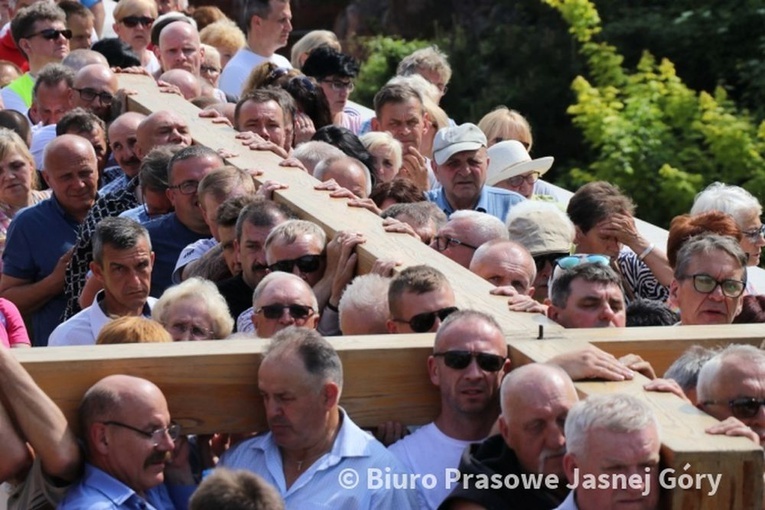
(154,238)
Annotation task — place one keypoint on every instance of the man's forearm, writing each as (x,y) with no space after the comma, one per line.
(30,297)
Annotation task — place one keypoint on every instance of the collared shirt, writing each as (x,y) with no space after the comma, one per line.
(319,486)
(569,503)
(97,490)
(37,237)
(494,201)
(84,327)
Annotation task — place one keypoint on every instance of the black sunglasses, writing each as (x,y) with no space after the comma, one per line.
(423,322)
(52,34)
(742,408)
(460,360)
(306,264)
(275,311)
(134,21)
(541,260)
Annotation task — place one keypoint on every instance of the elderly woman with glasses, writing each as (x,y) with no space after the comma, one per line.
(194,310)
(740,205)
(511,168)
(133,21)
(18,181)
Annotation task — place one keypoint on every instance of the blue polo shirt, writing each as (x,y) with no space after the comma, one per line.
(494,201)
(97,490)
(168,237)
(37,237)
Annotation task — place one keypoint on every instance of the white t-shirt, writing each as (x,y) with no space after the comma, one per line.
(428,451)
(241,65)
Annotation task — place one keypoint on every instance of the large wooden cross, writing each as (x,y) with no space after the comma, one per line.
(211,386)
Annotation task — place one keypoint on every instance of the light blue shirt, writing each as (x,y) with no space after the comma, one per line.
(98,490)
(328,483)
(494,201)
(569,503)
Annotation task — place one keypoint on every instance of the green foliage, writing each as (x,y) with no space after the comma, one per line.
(384,54)
(652,135)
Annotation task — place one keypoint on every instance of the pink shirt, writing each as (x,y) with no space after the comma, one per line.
(12,329)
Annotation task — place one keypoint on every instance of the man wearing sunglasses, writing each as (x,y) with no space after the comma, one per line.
(280,300)
(710,279)
(419,298)
(731,387)
(467,365)
(587,295)
(42,37)
(130,439)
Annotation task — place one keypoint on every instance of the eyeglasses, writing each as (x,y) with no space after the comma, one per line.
(542,260)
(134,21)
(92,94)
(570,261)
(442,243)
(755,233)
(156,435)
(305,264)
(186,187)
(195,332)
(519,179)
(742,408)
(51,34)
(423,322)
(339,86)
(275,311)
(706,285)
(209,69)
(460,360)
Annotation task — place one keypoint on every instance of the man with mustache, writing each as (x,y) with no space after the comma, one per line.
(255,222)
(122,262)
(130,438)
(535,400)
(467,365)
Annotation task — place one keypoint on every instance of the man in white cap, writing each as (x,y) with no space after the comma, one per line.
(460,162)
(512,168)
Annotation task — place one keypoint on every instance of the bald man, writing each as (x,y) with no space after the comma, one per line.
(535,400)
(130,438)
(40,239)
(509,266)
(161,128)
(95,87)
(180,48)
(189,85)
(349,173)
(280,300)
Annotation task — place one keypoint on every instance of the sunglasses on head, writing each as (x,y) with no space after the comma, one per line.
(305,264)
(134,21)
(742,408)
(570,261)
(423,322)
(51,34)
(460,360)
(275,311)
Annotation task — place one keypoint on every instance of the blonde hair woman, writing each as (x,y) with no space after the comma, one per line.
(132,23)
(18,181)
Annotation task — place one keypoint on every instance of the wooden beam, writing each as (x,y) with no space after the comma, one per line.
(211,386)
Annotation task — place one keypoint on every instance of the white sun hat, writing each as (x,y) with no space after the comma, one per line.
(510,159)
